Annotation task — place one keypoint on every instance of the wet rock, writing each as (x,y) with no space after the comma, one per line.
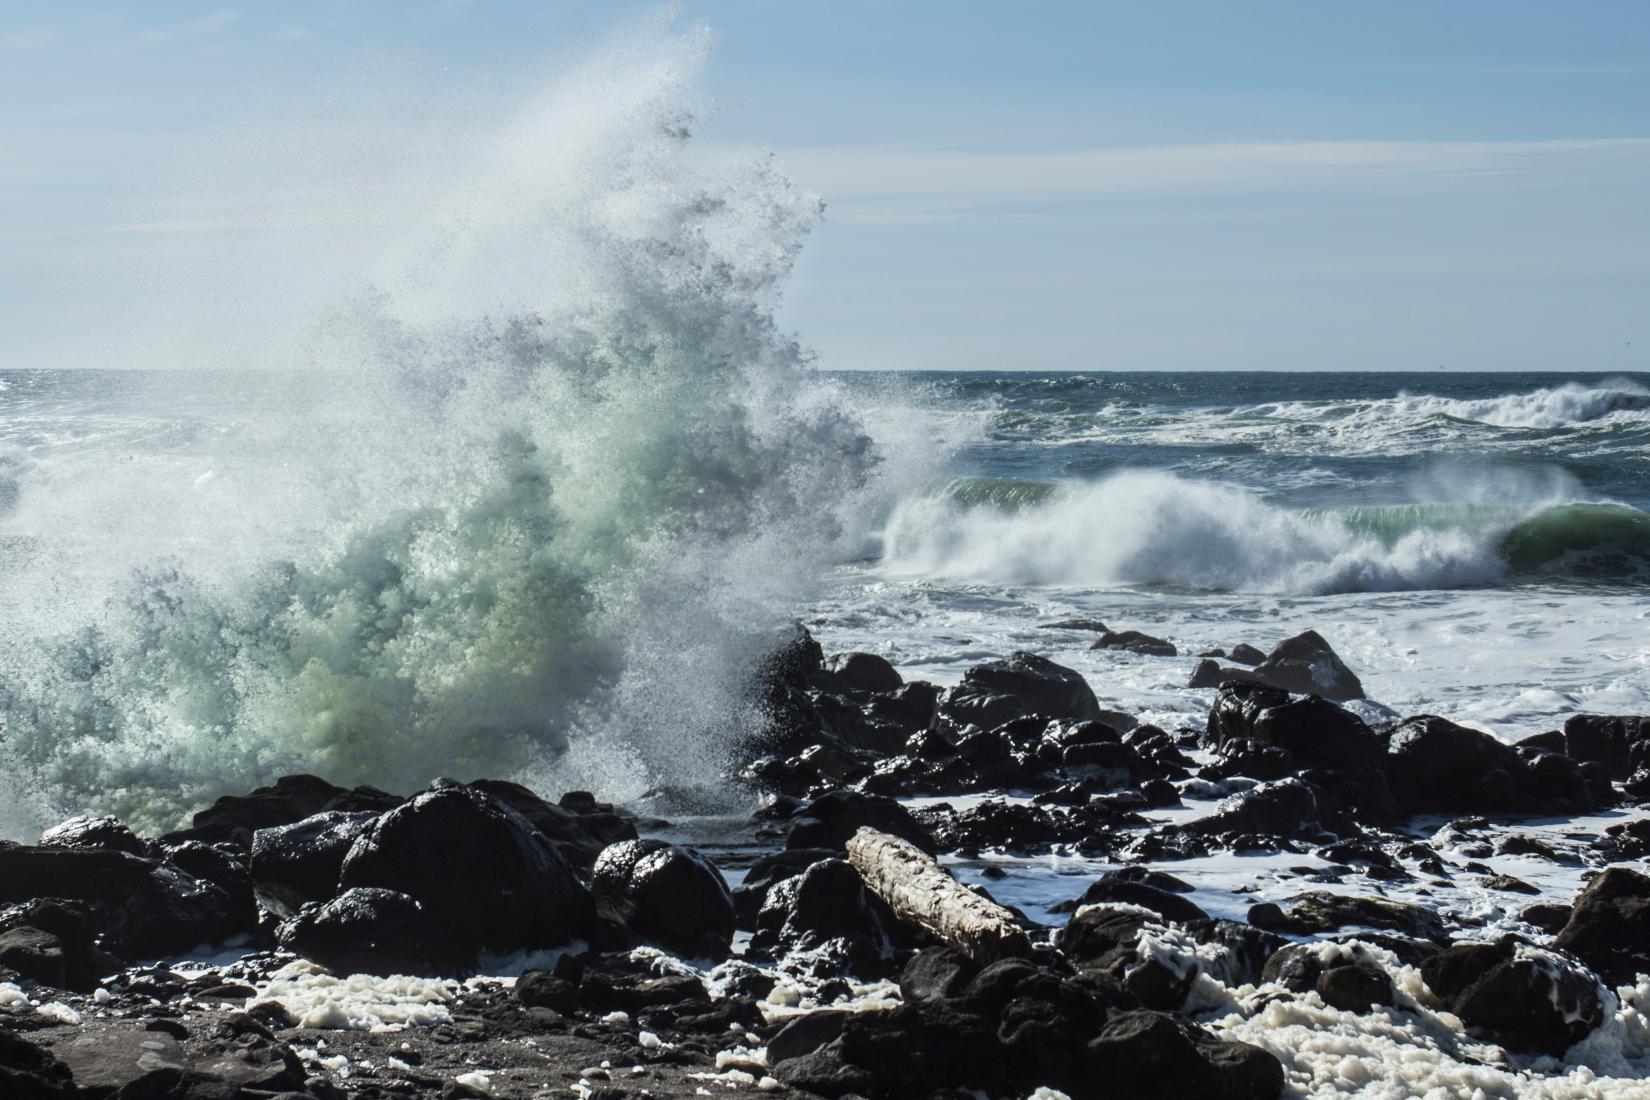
(1307,665)
(293,865)
(667,895)
(1109,941)
(1094,626)
(579,828)
(1436,766)
(917,1048)
(234,818)
(29,872)
(30,1072)
(802,1035)
(1145,1054)
(223,866)
(172,913)
(936,974)
(100,834)
(480,869)
(368,930)
(768,871)
(826,903)
(1606,740)
(1043,1018)
(1550,918)
(55,943)
(865,672)
(1023,684)
(1507,884)
(543,989)
(1310,727)
(1522,997)
(1284,807)
(826,1073)
(829,820)
(1136,642)
(1609,925)
(1131,886)
(1320,911)
(1355,986)
(1245,654)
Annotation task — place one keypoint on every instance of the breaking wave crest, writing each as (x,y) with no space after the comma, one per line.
(1556,407)
(551,528)
(1150,528)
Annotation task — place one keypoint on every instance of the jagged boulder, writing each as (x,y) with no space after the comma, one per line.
(480,869)
(670,896)
(1024,684)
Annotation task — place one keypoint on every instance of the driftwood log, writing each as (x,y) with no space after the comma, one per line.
(919,890)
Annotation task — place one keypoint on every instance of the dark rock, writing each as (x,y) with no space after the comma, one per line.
(670,896)
(55,943)
(1436,766)
(936,974)
(825,1073)
(578,830)
(541,989)
(1312,728)
(1549,918)
(29,1072)
(293,865)
(769,870)
(1106,941)
(1324,912)
(1510,885)
(1606,740)
(173,912)
(1609,925)
(1024,684)
(1245,654)
(1145,1055)
(234,818)
(910,708)
(1133,890)
(828,901)
(1306,665)
(100,834)
(372,931)
(1136,642)
(479,869)
(865,672)
(227,872)
(829,820)
(917,1048)
(1355,986)
(805,1034)
(1521,997)
(1094,626)
(28,872)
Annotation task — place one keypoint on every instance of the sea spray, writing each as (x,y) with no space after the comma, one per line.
(554,488)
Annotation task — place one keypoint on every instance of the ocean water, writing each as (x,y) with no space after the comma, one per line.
(1474,545)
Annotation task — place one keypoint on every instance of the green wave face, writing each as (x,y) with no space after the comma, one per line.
(1004,494)
(1391,522)
(1583,540)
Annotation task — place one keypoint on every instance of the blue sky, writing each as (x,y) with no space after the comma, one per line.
(1087,186)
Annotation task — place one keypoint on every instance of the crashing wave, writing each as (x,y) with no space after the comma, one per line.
(1151,528)
(553,530)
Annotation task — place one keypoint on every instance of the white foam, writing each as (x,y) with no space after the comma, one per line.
(357,1002)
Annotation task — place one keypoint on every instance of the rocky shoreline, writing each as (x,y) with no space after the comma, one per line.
(475,939)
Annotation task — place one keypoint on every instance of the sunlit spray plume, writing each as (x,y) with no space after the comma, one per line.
(557,484)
